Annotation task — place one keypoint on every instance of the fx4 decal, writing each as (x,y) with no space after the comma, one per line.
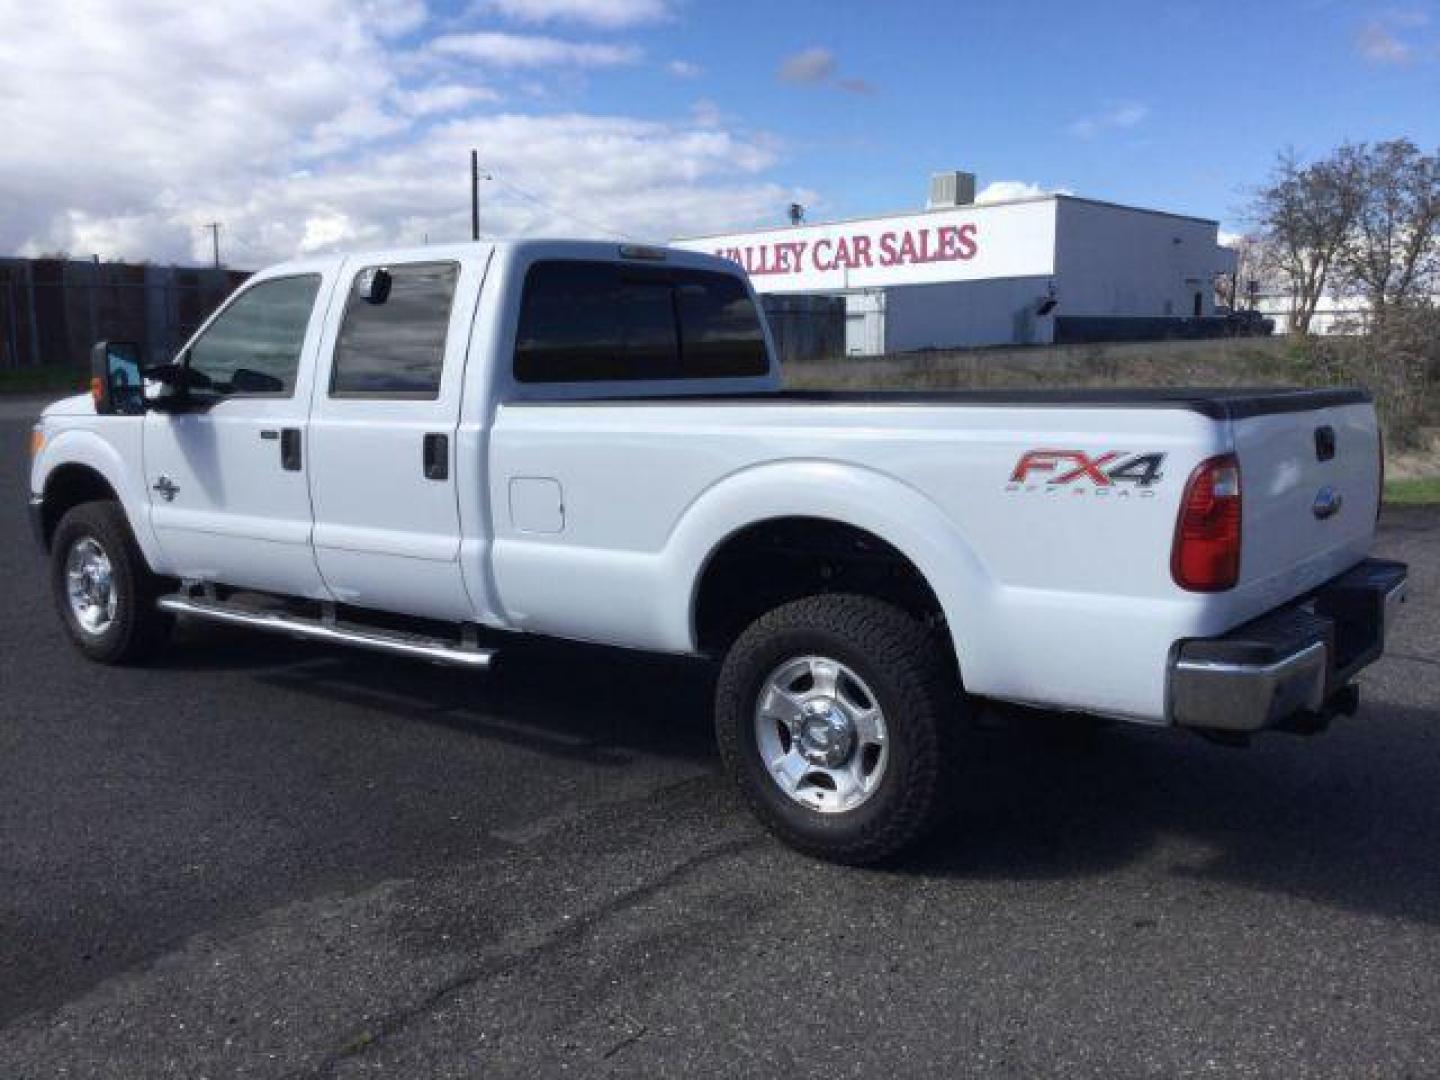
(1054,471)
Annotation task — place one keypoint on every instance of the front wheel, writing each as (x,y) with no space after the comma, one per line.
(840,719)
(105,592)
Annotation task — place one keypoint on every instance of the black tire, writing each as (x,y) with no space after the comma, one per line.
(137,628)
(911,672)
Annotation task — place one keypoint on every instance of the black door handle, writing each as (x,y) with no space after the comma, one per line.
(437,457)
(290,449)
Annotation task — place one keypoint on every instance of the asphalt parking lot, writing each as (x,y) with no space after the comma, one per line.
(263,858)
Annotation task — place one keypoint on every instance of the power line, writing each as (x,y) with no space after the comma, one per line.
(475,194)
(558,211)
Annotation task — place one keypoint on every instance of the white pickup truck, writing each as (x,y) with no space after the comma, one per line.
(431,451)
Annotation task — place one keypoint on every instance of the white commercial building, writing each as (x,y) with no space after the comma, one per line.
(1335,313)
(961,273)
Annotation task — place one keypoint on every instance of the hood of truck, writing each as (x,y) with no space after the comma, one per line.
(77,405)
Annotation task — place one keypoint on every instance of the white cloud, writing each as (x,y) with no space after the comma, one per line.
(604,13)
(1378,45)
(527,50)
(684,69)
(811,66)
(315,126)
(1117,117)
(443,98)
(1006,190)
(390,18)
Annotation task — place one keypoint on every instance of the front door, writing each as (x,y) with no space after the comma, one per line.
(228,495)
(383,431)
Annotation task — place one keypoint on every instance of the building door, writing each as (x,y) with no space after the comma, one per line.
(1199,305)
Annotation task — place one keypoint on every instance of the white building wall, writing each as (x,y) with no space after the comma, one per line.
(1119,261)
(1003,312)
(977,275)
(1343,314)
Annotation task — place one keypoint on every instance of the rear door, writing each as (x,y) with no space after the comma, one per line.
(382,435)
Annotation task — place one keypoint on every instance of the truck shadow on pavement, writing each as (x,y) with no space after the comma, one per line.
(1345,819)
(583,703)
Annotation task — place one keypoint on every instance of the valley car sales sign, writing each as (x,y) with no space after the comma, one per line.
(962,244)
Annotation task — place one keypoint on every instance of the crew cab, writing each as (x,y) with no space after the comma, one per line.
(432,451)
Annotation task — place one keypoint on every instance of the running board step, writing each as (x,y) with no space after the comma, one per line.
(419,647)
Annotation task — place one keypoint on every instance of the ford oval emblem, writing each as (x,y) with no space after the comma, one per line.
(1327,503)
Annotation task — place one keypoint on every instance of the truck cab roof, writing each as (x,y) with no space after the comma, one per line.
(512,250)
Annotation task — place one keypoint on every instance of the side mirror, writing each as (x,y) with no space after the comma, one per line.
(116,384)
(171,388)
(373,285)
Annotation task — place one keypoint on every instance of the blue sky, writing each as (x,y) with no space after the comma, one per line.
(1173,105)
(315,125)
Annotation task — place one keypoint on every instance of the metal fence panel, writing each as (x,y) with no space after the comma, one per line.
(53,310)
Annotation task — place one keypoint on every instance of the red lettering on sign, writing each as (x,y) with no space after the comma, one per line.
(946,243)
(887,249)
(968,245)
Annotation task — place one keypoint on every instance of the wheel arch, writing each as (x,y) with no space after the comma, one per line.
(66,487)
(79,466)
(834,499)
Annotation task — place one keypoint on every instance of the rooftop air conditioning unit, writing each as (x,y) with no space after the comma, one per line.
(951,189)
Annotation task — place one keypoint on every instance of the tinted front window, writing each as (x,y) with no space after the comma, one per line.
(253,346)
(597,321)
(396,348)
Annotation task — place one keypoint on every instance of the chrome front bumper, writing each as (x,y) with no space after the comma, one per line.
(1292,665)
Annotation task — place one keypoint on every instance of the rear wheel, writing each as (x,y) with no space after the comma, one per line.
(105,592)
(840,719)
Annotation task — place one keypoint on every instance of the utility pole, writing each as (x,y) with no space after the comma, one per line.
(214,228)
(474,194)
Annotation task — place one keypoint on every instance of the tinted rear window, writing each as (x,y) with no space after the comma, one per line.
(396,348)
(597,321)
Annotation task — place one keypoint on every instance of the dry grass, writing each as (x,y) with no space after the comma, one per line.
(1408,400)
(1252,362)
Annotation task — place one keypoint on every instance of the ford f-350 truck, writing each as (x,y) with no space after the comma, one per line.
(430,451)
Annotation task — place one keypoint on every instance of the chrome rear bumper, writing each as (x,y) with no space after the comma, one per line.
(1291,666)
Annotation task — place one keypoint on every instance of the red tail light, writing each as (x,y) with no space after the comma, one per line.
(1206,557)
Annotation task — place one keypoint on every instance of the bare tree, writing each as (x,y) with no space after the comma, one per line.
(1254,266)
(1306,214)
(1393,252)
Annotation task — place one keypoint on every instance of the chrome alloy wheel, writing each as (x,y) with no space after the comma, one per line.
(90,586)
(821,734)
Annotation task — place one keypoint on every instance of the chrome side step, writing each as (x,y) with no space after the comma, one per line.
(417,646)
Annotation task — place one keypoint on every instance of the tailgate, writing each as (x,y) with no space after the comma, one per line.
(1311,484)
